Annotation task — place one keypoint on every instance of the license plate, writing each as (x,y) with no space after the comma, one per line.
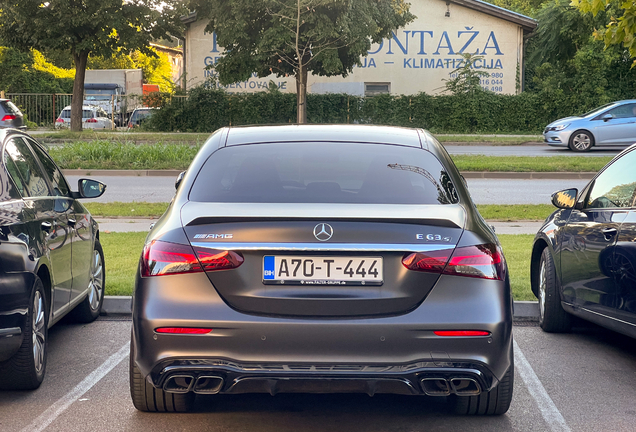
(308,270)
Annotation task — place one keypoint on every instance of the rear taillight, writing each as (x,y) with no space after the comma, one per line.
(162,258)
(8,117)
(59,121)
(432,262)
(481,261)
(91,120)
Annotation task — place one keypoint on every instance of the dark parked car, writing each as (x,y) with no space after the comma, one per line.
(322,259)
(140,115)
(10,115)
(584,256)
(51,262)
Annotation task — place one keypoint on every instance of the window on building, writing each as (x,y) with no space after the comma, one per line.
(373,89)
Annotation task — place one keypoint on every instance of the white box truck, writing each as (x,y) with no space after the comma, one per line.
(120,89)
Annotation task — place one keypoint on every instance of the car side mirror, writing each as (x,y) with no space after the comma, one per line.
(90,188)
(177,182)
(607,117)
(565,199)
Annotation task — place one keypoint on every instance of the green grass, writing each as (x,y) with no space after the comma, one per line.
(495,212)
(515,212)
(121,256)
(530,163)
(494,140)
(517,249)
(122,252)
(105,154)
(128,209)
(122,155)
(119,136)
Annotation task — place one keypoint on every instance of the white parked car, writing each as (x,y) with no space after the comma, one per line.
(93,117)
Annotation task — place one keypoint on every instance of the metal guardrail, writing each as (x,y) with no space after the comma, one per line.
(44,108)
(41,108)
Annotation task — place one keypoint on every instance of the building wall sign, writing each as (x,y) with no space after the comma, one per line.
(417,58)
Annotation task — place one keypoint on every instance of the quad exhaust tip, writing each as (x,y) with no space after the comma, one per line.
(204,384)
(444,387)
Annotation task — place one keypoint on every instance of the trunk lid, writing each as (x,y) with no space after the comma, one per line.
(322,260)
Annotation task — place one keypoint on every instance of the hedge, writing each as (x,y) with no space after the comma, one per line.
(206,110)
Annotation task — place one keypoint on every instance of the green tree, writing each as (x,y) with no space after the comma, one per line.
(466,79)
(621,30)
(155,66)
(295,37)
(84,27)
(566,63)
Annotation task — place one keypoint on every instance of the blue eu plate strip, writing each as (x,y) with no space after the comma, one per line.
(268,267)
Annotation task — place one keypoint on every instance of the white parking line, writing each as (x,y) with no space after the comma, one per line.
(549,411)
(54,411)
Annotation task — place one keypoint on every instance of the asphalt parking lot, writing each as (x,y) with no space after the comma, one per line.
(581,381)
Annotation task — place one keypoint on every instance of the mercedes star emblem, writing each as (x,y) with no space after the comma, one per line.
(323,231)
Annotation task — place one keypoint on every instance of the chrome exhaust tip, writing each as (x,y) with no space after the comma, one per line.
(465,386)
(435,386)
(178,384)
(208,384)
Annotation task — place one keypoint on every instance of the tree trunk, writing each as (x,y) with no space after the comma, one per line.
(77,102)
(301,95)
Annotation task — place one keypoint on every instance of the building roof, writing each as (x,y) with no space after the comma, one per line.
(527,23)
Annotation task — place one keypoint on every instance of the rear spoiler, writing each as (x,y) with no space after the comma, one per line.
(446,215)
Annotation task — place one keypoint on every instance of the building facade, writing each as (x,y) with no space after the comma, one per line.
(417,58)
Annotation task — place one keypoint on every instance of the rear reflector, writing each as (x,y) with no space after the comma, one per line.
(480,261)
(461,333)
(162,258)
(8,117)
(183,330)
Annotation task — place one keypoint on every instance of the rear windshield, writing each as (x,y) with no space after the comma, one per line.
(323,173)
(10,107)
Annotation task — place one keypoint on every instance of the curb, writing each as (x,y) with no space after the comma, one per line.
(528,175)
(467,174)
(123,305)
(122,173)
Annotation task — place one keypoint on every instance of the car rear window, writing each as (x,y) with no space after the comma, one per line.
(10,107)
(323,173)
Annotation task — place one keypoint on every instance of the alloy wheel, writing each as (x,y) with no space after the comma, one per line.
(542,289)
(581,142)
(96,283)
(38,331)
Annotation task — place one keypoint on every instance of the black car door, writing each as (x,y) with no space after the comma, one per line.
(79,224)
(51,214)
(590,236)
(624,268)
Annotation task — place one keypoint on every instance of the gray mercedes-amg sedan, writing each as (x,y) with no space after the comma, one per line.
(329,258)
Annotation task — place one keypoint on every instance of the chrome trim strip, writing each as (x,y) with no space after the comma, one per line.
(327,247)
(604,316)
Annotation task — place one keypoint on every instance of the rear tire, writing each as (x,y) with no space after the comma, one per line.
(495,402)
(89,309)
(552,317)
(146,397)
(25,370)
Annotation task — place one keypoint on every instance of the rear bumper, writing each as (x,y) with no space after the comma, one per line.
(249,353)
